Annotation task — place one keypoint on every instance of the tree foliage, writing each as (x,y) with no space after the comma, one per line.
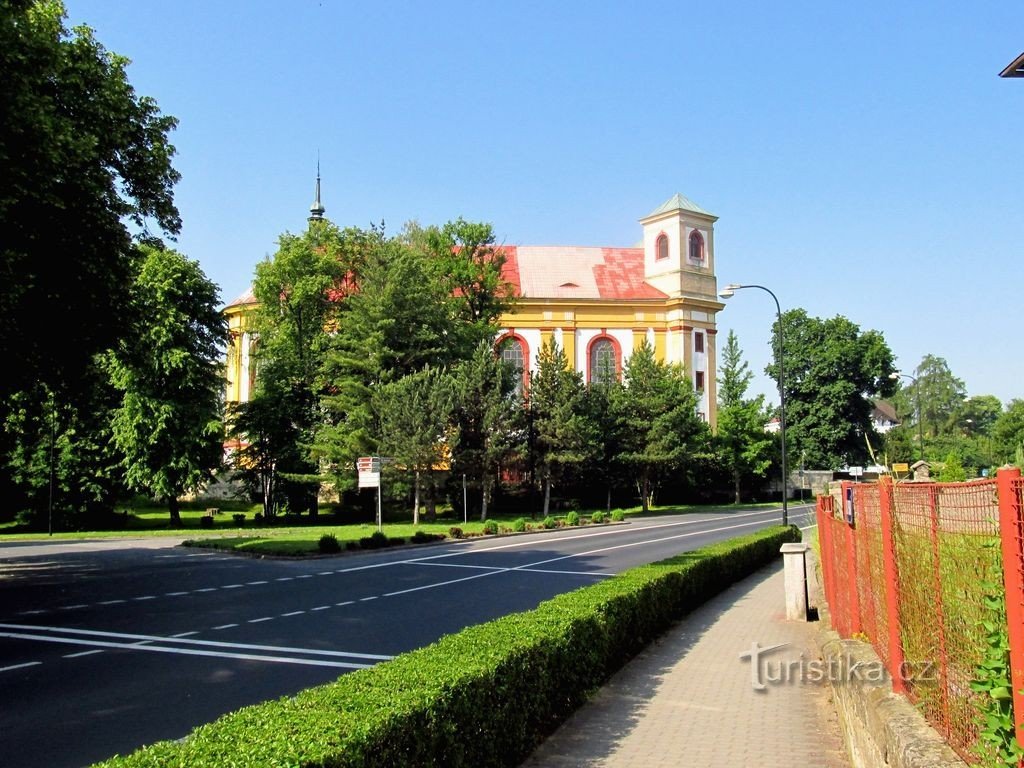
(745,448)
(564,434)
(657,412)
(832,372)
(415,418)
(942,395)
(80,154)
(489,425)
(169,424)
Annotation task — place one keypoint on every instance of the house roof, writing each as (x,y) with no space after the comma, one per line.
(883,409)
(675,203)
(246,298)
(575,272)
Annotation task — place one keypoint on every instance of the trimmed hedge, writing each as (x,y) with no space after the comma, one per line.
(485,696)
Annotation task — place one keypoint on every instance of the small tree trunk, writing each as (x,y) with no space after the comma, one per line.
(547,495)
(646,493)
(736,486)
(608,503)
(431,494)
(416,500)
(483,499)
(172,504)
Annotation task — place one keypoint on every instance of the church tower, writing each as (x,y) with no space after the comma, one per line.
(679,249)
(316,210)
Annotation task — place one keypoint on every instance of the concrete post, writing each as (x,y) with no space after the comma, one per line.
(794,558)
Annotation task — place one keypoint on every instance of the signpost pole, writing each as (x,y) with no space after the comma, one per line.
(465,506)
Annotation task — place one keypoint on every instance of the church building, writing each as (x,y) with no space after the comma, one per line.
(598,303)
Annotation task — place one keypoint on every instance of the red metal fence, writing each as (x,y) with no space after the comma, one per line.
(908,567)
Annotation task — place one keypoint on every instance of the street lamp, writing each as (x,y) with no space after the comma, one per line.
(727,293)
(917,400)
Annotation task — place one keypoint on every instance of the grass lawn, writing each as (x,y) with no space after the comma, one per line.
(303,539)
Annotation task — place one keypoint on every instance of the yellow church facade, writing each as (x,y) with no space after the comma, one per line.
(597,303)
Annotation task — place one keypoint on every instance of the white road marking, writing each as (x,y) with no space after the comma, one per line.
(326,573)
(184,634)
(81,653)
(319,608)
(111,602)
(255,583)
(20,666)
(144,597)
(36,612)
(305,576)
(293,613)
(226,626)
(207,589)
(73,607)
(567,573)
(174,594)
(91,633)
(257,621)
(284,578)
(367,599)
(346,602)
(232,586)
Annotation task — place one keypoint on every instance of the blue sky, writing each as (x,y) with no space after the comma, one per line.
(863,158)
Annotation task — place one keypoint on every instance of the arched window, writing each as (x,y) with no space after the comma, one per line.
(661,247)
(696,246)
(513,351)
(603,363)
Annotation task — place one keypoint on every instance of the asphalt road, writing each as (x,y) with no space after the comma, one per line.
(106,646)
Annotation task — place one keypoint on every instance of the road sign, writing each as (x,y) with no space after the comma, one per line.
(901,468)
(369,471)
(856,471)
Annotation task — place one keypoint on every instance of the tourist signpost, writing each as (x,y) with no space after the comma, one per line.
(369,477)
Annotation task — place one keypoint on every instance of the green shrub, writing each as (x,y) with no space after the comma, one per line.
(573,518)
(206,521)
(548,522)
(378,540)
(597,517)
(618,515)
(519,524)
(455,532)
(328,544)
(484,696)
(490,527)
(422,537)
(239,518)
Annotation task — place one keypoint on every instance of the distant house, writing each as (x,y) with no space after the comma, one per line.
(883,416)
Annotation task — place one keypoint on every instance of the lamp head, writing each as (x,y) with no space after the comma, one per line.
(728,291)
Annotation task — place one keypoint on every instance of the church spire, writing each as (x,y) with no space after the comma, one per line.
(316,210)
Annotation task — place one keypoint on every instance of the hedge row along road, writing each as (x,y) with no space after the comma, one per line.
(107,647)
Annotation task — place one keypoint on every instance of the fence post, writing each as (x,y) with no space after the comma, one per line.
(825,547)
(851,555)
(892,613)
(1011,534)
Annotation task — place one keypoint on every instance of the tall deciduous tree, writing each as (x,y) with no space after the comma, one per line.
(80,153)
(658,420)
(1008,431)
(301,294)
(468,264)
(832,371)
(170,422)
(564,434)
(746,449)
(415,419)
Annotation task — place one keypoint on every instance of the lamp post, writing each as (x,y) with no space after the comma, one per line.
(727,293)
(917,401)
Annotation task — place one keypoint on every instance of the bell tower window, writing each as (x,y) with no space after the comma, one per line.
(696,246)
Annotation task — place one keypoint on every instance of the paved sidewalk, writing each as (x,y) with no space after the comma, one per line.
(688,701)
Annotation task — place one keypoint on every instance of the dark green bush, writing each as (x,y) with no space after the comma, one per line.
(548,522)
(490,527)
(573,518)
(421,537)
(206,521)
(328,544)
(455,532)
(597,517)
(239,518)
(484,696)
(519,524)
(378,540)
(618,515)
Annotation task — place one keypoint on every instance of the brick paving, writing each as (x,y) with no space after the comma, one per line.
(688,700)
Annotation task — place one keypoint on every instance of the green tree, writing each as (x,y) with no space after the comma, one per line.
(564,434)
(81,156)
(602,397)
(301,294)
(952,469)
(942,396)
(398,322)
(415,418)
(468,264)
(1008,431)
(833,370)
(489,429)
(657,413)
(170,422)
(744,446)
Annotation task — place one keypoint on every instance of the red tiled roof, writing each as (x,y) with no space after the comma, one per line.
(570,272)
